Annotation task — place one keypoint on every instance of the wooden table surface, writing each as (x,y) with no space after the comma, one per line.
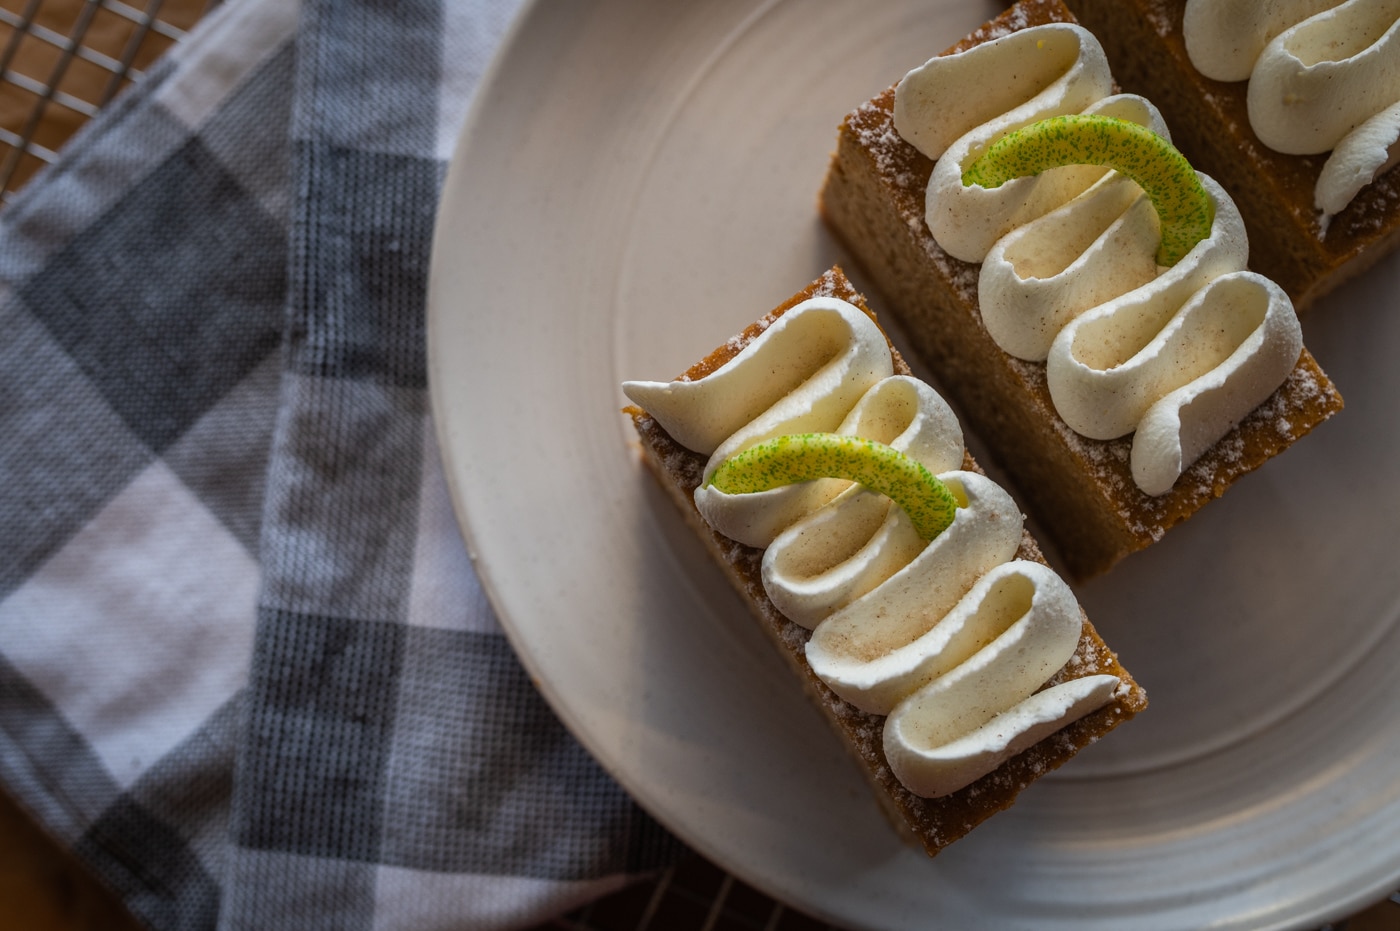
(42,888)
(62,60)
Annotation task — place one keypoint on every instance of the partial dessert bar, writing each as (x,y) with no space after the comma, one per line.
(1018,325)
(1311,170)
(957,669)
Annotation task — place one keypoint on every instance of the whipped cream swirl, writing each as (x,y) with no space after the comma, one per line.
(951,639)
(1176,356)
(1324,76)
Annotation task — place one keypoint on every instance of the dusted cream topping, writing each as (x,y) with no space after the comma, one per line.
(803,375)
(832,555)
(1068,272)
(1361,155)
(958,104)
(953,638)
(1323,77)
(1225,39)
(1228,347)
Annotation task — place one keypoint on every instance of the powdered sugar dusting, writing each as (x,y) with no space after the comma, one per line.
(1014,20)
(875,128)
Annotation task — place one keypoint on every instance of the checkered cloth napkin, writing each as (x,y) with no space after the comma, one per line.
(246,671)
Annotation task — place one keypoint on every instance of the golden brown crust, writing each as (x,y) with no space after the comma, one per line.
(1210,123)
(933,823)
(1080,490)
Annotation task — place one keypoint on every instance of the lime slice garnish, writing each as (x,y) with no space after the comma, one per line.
(1131,149)
(804,457)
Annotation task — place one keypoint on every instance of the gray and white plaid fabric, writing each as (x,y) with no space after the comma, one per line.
(246,671)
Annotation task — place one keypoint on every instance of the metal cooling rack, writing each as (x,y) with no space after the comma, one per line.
(61,61)
(697,896)
(693,895)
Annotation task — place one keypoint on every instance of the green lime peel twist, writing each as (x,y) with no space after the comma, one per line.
(1133,150)
(804,457)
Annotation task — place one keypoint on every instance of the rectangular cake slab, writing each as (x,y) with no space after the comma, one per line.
(933,823)
(1080,491)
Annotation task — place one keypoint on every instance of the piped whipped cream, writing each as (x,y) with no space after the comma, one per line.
(1176,356)
(952,639)
(1323,76)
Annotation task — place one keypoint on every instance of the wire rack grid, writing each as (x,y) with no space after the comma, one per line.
(61,61)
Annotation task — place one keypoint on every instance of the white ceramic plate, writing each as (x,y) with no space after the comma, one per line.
(637,181)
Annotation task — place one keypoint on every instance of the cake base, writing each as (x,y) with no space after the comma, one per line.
(933,823)
(1081,491)
(1209,121)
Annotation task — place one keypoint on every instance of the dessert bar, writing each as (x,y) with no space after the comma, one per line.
(1085,490)
(914,702)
